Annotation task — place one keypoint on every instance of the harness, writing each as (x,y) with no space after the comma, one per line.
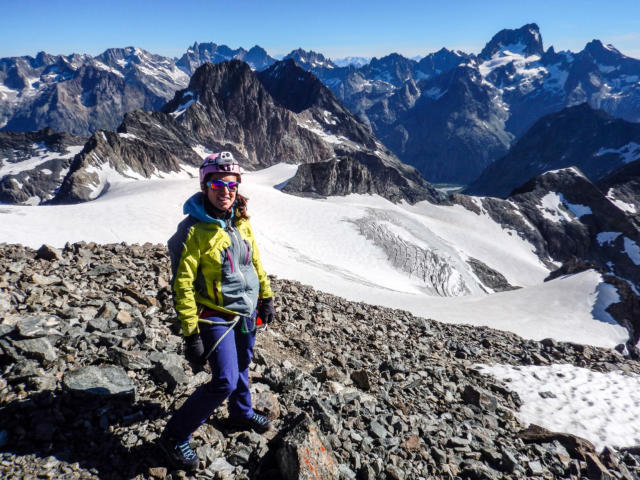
(257,325)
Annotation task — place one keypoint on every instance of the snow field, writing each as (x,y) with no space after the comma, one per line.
(316,242)
(601,407)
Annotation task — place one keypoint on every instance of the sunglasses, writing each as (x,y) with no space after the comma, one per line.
(218,184)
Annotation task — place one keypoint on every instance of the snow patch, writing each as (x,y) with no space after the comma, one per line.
(575,208)
(632,249)
(128,136)
(600,407)
(629,152)
(607,237)
(606,295)
(43,155)
(551,206)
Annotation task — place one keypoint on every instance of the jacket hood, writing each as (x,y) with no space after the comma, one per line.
(194,206)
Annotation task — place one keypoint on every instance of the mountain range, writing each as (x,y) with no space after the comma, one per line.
(282,114)
(449,114)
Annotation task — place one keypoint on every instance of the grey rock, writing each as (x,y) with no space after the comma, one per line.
(107,381)
(132,360)
(221,465)
(480,398)
(240,455)
(38,348)
(378,430)
(32,327)
(168,368)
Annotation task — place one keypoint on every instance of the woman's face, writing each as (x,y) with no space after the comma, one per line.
(221,198)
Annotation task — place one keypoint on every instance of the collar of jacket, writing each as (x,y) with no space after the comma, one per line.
(194,206)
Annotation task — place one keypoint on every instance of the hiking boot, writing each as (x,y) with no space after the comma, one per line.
(256,422)
(179,453)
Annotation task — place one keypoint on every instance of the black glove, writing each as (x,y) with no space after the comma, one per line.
(266,311)
(194,349)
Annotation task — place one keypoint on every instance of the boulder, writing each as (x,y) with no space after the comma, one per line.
(305,454)
(103,381)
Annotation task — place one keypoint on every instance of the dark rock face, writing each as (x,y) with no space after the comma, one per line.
(146,144)
(80,94)
(343,176)
(622,186)
(407,402)
(33,165)
(459,101)
(490,277)
(525,40)
(232,106)
(577,136)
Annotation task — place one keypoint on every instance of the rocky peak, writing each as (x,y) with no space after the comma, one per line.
(118,57)
(600,51)
(441,61)
(258,58)
(295,88)
(525,40)
(43,59)
(310,59)
(224,82)
(393,68)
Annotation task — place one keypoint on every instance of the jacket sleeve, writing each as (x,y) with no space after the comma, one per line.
(183,285)
(265,285)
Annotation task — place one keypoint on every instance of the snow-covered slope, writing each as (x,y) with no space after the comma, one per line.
(332,244)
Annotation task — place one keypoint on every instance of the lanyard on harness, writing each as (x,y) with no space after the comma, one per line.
(231,324)
(258,325)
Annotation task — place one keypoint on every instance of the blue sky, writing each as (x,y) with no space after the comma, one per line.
(336,28)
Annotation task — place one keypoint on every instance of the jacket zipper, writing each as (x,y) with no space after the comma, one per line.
(244,280)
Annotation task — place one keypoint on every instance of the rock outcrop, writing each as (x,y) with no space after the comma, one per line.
(34,164)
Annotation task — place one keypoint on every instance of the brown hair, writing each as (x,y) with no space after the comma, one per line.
(241,207)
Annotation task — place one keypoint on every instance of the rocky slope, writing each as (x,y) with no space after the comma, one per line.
(33,165)
(580,136)
(92,367)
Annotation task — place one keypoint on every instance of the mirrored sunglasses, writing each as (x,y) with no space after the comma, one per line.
(217,184)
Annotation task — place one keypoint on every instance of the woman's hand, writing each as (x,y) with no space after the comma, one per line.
(194,349)
(266,311)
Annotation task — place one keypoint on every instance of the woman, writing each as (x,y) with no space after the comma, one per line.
(219,286)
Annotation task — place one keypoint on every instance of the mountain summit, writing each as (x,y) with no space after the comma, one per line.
(525,40)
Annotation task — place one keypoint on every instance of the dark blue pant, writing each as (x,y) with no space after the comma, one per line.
(229,379)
